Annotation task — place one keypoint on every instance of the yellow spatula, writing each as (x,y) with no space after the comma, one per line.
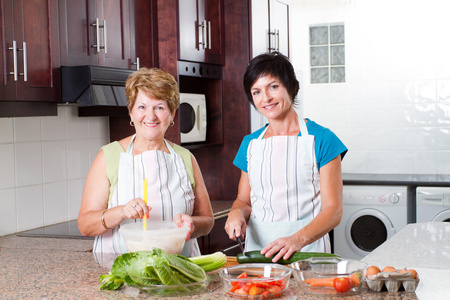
(145,200)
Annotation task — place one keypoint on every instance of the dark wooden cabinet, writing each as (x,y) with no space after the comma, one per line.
(29,58)
(96,32)
(144,33)
(201,31)
(218,240)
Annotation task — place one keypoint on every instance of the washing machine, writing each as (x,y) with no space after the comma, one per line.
(371,215)
(432,204)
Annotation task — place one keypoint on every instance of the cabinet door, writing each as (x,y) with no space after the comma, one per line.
(260,26)
(115,37)
(145,37)
(270,26)
(84,42)
(279,26)
(77,33)
(190,36)
(32,24)
(201,34)
(215,32)
(7,85)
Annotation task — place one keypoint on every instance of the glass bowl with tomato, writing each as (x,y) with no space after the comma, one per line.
(255,281)
(329,276)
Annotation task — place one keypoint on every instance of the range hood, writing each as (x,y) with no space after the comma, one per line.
(94,85)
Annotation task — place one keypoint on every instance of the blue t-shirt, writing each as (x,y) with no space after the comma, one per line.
(327,145)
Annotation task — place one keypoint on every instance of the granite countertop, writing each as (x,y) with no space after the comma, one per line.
(52,268)
(424,247)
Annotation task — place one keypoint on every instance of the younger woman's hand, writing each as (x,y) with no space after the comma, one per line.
(185,220)
(235,226)
(282,247)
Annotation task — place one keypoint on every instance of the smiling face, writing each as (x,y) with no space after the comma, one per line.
(151,117)
(271,97)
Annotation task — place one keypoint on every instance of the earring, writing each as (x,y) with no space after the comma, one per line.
(172,123)
(131,123)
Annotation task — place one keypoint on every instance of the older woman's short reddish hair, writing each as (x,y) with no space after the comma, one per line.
(156,84)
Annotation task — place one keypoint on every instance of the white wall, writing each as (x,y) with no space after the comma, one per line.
(393,111)
(44,162)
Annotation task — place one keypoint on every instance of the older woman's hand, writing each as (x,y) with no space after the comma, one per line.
(181,219)
(136,209)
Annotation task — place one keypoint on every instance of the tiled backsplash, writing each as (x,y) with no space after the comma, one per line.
(393,111)
(44,163)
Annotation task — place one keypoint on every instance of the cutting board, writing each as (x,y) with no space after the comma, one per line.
(231,261)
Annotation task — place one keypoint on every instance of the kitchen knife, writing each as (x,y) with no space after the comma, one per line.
(238,239)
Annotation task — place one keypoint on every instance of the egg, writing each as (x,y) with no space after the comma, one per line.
(412,271)
(372,270)
(390,269)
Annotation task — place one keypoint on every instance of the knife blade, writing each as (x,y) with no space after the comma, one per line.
(238,239)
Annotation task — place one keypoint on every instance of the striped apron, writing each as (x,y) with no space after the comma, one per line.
(285,189)
(169,189)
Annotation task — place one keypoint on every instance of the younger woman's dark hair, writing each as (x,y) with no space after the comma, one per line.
(273,64)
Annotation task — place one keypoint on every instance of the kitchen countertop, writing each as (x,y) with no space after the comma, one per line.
(424,247)
(52,268)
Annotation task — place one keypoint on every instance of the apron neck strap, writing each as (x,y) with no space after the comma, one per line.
(301,122)
(130,146)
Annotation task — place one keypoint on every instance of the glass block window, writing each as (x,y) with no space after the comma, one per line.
(327,53)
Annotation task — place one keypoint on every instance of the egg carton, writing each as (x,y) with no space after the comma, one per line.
(392,281)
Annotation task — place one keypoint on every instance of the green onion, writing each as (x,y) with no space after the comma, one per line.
(210,262)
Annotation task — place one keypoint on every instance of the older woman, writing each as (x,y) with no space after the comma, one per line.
(113,193)
(290,190)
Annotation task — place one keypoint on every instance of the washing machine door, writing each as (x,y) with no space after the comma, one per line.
(443,216)
(366,229)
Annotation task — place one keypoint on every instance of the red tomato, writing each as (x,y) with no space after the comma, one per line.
(273,289)
(342,284)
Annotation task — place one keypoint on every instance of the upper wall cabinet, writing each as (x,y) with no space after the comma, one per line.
(270,26)
(201,32)
(29,58)
(96,32)
(144,33)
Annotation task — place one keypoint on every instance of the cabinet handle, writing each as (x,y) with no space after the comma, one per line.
(104,36)
(136,63)
(97,33)
(14,49)
(278,40)
(209,35)
(25,63)
(274,39)
(203,42)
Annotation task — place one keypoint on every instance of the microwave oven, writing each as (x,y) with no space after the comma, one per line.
(192,118)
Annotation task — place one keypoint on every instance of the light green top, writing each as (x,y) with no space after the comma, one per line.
(112,153)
